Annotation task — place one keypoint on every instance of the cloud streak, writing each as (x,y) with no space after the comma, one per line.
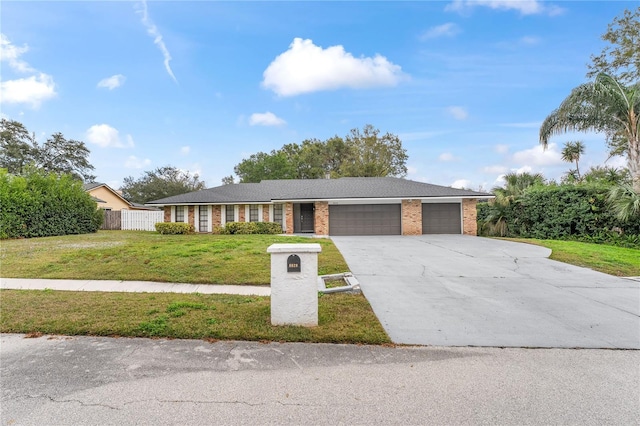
(445,30)
(153,31)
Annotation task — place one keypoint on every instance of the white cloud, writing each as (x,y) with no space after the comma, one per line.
(411,170)
(462,184)
(112,82)
(106,136)
(306,68)
(31,90)
(538,156)
(134,162)
(185,150)
(446,157)
(501,148)
(153,31)
(11,54)
(495,169)
(525,7)
(458,112)
(445,30)
(265,119)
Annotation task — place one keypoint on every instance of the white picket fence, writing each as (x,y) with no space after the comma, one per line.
(141,220)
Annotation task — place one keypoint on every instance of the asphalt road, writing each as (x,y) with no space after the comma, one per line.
(457,290)
(107,381)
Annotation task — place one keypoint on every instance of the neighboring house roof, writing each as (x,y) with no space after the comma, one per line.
(88,187)
(319,189)
(97,200)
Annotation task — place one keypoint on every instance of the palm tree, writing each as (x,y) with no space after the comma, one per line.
(515,185)
(571,153)
(604,105)
(625,202)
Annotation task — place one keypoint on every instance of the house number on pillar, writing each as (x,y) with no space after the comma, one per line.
(293,263)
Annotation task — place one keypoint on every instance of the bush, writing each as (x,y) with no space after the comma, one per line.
(40,204)
(245,228)
(578,212)
(174,228)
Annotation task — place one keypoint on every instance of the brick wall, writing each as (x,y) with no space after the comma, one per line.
(321,218)
(167,213)
(191,216)
(216,215)
(469,216)
(411,217)
(288,217)
(265,212)
(241,212)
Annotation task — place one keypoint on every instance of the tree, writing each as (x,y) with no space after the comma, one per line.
(621,58)
(604,105)
(16,146)
(57,155)
(371,155)
(625,202)
(607,175)
(228,180)
(501,208)
(64,156)
(365,153)
(262,166)
(571,153)
(160,183)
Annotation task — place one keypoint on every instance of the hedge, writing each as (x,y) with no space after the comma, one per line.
(39,204)
(232,228)
(174,228)
(563,212)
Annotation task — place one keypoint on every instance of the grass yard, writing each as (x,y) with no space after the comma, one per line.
(619,261)
(148,256)
(343,318)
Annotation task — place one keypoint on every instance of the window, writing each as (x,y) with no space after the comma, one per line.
(204,219)
(253,213)
(230,215)
(277,213)
(179,213)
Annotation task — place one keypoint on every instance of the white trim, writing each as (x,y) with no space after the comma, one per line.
(270,212)
(260,219)
(443,201)
(196,222)
(173,214)
(210,219)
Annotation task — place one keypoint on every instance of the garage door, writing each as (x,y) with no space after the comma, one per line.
(441,218)
(365,219)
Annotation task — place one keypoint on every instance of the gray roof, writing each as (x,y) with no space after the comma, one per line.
(91,185)
(318,189)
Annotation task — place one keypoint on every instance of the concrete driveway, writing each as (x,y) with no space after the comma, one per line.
(456,290)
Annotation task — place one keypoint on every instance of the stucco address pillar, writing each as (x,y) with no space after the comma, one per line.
(294,284)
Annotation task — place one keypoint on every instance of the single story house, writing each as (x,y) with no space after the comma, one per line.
(111,199)
(344,206)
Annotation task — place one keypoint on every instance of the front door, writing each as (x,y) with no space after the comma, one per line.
(303,217)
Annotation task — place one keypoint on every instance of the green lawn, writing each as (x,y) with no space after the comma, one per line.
(343,318)
(619,261)
(148,256)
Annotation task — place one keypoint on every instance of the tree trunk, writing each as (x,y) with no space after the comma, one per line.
(634,163)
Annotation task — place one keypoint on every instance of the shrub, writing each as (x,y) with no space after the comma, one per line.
(578,212)
(245,228)
(174,228)
(39,204)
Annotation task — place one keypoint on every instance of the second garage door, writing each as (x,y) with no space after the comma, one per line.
(441,218)
(365,219)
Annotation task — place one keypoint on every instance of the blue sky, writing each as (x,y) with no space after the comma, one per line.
(202,85)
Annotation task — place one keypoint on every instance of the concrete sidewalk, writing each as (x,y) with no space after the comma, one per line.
(131,286)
